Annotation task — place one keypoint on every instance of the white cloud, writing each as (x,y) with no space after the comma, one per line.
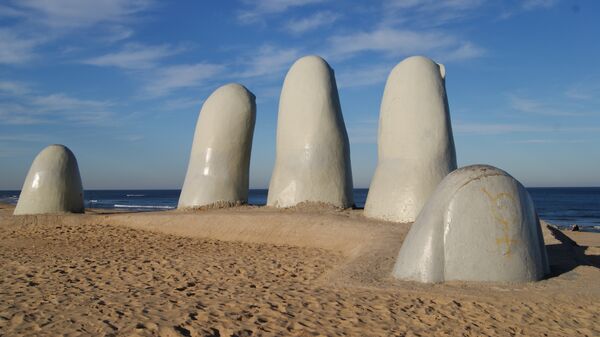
(429,13)
(22,105)
(135,56)
(466,50)
(130,138)
(267,93)
(23,138)
(356,77)
(433,5)
(16,49)
(395,42)
(503,128)
(524,104)
(115,33)
(61,102)
(528,5)
(182,103)
(533,106)
(13,88)
(319,19)
(38,22)
(260,8)
(496,128)
(390,41)
(269,60)
(11,12)
(547,141)
(578,94)
(80,13)
(584,90)
(536,4)
(180,76)
(362,132)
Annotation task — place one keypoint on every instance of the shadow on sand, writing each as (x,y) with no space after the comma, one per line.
(568,255)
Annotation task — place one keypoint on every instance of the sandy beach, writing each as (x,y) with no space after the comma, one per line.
(251,271)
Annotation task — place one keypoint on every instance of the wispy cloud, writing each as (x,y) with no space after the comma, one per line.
(159,78)
(362,132)
(115,33)
(36,23)
(504,128)
(269,60)
(135,56)
(180,76)
(430,13)
(396,42)
(23,138)
(13,88)
(183,103)
(533,106)
(362,76)
(72,14)
(319,19)
(578,94)
(23,105)
(526,6)
(584,90)
(266,93)
(547,141)
(16,48)
(259,8)
(434,5)
(130,138)
(536,4)
(465,51)
(391,41)
(60,101)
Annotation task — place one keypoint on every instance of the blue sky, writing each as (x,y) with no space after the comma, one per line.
(121,82)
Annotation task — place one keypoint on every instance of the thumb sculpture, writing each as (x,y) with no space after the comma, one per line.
(312,162)
(217,173)
(479,225)
(52,185)
(415,144)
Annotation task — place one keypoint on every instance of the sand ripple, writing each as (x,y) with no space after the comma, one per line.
(102,280)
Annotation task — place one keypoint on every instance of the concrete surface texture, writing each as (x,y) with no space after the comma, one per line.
(415,143)
(479,225)
(217,172)
(52,185)
(312,162)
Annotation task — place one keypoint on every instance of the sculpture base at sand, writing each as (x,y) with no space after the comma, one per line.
(479,225)
(52,185)
(415,142)
(312,162)
(218,170)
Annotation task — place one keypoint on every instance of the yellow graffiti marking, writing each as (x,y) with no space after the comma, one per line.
(502,201)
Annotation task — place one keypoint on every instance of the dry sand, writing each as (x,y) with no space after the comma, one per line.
(263,272)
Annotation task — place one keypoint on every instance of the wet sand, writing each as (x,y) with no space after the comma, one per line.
(263,272)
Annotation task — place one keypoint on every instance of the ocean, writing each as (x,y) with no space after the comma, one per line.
(562,206)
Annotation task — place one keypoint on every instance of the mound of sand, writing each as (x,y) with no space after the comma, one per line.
(261,272)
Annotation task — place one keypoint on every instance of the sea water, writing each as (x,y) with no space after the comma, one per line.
(562,206)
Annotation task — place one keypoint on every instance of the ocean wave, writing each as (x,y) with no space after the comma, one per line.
(10,199)
(93,200)
(143,206)
(134,195)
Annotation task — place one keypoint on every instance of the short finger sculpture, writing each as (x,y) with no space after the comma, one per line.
(217,172)
(312,161)
(52,185)
(479,225)
(415,143)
